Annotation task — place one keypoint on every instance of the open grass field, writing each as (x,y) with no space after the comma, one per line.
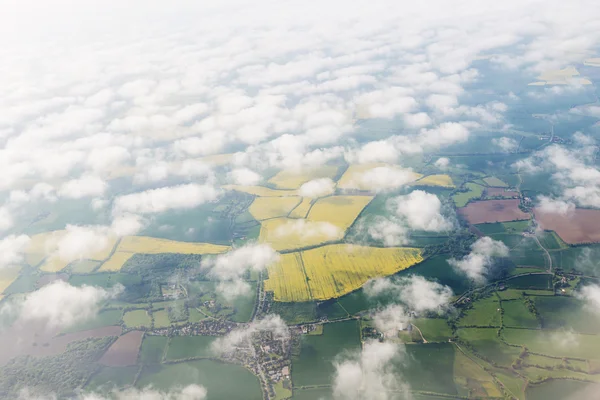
(153,348)
(560,389)
(436,180)
(137,319)
(7,276)
(83,266)
(538,281)
(161,319)
(290,234)
(471,379)
(475,191)
(272,207)
(485,312)
(551,241)
(105,280)
(433,329)
(495,182)
(485,341)
(512,227)
(293,179)
(479,212)
(516,314)
(562,312)
(576,227)
(430,368)
(302,209)
(314,365)
(261,191)
(357,176)
(215,376)
(334,270)
(124,352)
(181,347)
(340,211)
(555,343)
(108,378)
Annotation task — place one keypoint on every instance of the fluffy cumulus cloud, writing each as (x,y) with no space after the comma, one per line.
(86,186)
(244,176)
(381,179)
(166,198)
(189,392)
(317,188)
(229,268)
(59,304)
(242,336)
(307,230)
(442,163)
(12,248)
(590,294)
(475,265)
(370,373)
(506,144)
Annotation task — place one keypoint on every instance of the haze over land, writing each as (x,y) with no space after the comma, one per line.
(306,200)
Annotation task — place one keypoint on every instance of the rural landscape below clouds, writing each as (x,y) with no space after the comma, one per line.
(299,200)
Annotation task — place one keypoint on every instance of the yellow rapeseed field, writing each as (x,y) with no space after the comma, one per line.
(290,233)
(334,270)
(354,179)
(150,245)
(436,180)
(44,246)
(8,276)
(293,178)
(272,207)
(302,209)
(261,191)
(116,261)
(341,211)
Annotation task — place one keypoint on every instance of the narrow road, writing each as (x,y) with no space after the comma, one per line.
(547,253)
(420,333)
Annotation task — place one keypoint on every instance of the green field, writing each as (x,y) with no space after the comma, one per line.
(484,313)
(105,280)
(153,348)
(555,343)
(84,266)
(437,268)
(108,378)
(181,347)
(137,319)
(430,367)
(516,314)
(551,241)
(296,313)
(562,312)
(314,365)
(493,181)
(539,281)
(433,329)
(238,310)
(103,318)
(559,389)
(486,343)
(222,381)
(161,319)
(474,191)
(312,394)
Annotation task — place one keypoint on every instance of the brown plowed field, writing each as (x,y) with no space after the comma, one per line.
(491,192)
(479,212)
(578,226)
(124,351)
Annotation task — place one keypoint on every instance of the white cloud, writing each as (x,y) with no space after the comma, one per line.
(590,294)
(11,250)
(305,230)
(475,264)
(442,163)
(81,242)
(380,179)
(229,268)
(506,144)
(166,198)
(86,186)
(420,210)
(554,206)
(189,392)
(444,135)
(244,176)
(317,188)
(6,219)
(59,304)
(369,374)
(390,232)
(241,337)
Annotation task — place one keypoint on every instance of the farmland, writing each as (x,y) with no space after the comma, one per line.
(180,347)
(435,180)
(124,351)
(479,212)
(357,176)
(150,245)
(340,211)
(473,191)
(334,270)
(271,207)
(495,182)
(301,210)
(261,191)
(137,319)
(293,179)
(8,276)
(500,192)
(578,226)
